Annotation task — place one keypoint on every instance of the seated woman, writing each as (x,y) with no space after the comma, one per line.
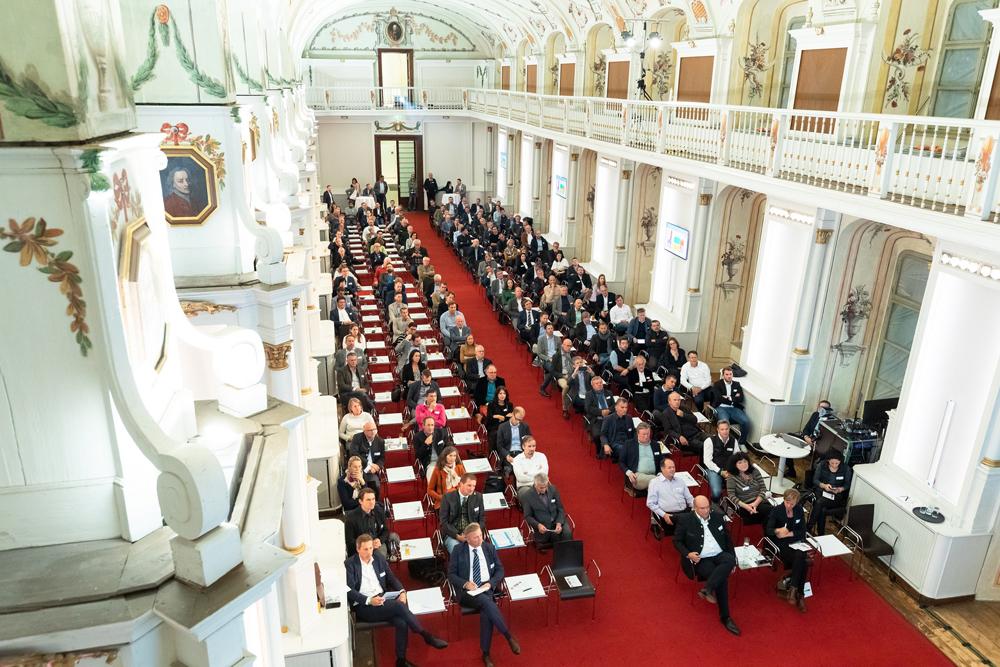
(467,350)
(559,264)
(411,371)
(431,408)
(377,256)
(507,293)
(832,482)
(497,412)
(746,486)
(359,338)
(383,268)
(349,486)
(354,420)
(445,475)
(786,525)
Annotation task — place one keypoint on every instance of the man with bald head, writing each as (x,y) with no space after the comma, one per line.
(680,425)
(707,554)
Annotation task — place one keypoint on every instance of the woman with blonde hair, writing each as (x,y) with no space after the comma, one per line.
(349,486)
(354,420)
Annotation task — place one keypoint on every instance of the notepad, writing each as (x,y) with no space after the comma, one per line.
(573,581)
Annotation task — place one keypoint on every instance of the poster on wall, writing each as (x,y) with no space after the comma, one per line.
(677,240)
(562,186)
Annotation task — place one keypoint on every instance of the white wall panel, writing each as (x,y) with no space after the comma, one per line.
(448,151)
(346,150)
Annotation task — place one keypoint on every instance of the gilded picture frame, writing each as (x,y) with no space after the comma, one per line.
(189,184)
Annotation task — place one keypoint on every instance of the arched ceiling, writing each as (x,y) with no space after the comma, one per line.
(506,24)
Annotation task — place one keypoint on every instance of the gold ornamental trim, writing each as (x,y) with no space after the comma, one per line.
(295,551)
(627,174)
(704,199)
(306,391)
(295,305)
(196,308)
(277,355)
(990,463)
(823,236)
(800,351)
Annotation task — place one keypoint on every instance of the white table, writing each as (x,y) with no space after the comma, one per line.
(378,360)
(369,307)
(424,327)
(425,601)
(400,474)
(465,438)
(829,545)
(449,392)
(390,418)
(686,477)
(418,315)
(381,377)
(375,345)
(772,443)
(370,318)
(373,330)
(416,549)
(438,373)
(477,466)
(359,200)
(749,557)
(435,356)
(383,396)
(494,501)
(506,538)
(524,587)
(396,445)
(408,511)
(457,413)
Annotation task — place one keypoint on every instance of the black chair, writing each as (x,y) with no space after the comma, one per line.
(363,626)
(567,561)
(865,540)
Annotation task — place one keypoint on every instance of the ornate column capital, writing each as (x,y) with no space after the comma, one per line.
(277,355)
(823,236)
(704,199)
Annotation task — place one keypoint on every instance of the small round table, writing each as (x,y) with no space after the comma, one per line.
(772,443)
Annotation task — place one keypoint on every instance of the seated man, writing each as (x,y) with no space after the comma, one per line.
(832,481)
(369,518)
(641,383)
(681,426)
(656,344)
(668,498)
(620,361)
(527,322)
(527,464)
(620,315)
(544,512)
(602,344)
(707,554)
(638,331)
(510,434)
(585,329)
(368,579)
(456,335)
(473,567)
(718,449)
(459,508)
(597,407)
(786,525)
(352,382)
(575,385)
(475,368)
(824,411)
(662,393)
(547,348)
(416,393)
(695,378)
(641,458)
(370,448)
(486,387)
(617,431)
(727,399)
(428,442)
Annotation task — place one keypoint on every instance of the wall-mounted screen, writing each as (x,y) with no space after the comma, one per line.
(677,240)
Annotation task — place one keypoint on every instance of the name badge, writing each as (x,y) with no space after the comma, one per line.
(746,488)
(798,521)
(839,477)
(553,500)
(381,574)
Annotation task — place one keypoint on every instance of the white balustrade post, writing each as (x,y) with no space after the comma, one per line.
(884,157)
(776,134)
(982,194)
(724,135)
(626,124)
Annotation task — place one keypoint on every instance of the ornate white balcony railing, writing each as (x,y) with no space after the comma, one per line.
(941,164)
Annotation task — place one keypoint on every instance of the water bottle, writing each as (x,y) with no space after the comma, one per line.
(746,542)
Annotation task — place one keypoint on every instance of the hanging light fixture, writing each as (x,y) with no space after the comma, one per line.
(655,41)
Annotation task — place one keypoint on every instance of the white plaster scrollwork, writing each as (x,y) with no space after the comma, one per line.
(192,491)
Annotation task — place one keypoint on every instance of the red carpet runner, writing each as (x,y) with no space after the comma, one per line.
(643,616)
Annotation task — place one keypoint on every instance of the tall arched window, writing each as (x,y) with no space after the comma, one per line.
(962,58)
(912,271)
(788,60)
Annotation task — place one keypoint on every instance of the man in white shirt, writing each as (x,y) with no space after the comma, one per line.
(718,449)
(527,464)
(368,580)
(620,315)
(695,378)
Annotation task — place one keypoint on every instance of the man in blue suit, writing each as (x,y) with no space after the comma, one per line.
(368,580)
(473,567)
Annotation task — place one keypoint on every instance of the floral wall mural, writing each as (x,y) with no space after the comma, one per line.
(754,64)
(906,59)
(365,31)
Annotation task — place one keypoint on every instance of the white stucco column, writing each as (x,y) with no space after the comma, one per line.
(624,221)
(538,187)
(696,259)
(572,192)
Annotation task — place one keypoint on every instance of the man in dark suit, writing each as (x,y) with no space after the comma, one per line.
(475,368)
(428,438)
(352,382)
(431,190)
(598,405)
(707,553)
(728,401)
(369,517)
(482,386)
(509,436)
(370,448)
(617,431)
(368,580)
(474,254)
(381,190)
(459,508)
(475,566)
(544,512)
(327,197)
(527,322)
(418,389)
(811,432)
(343,316)
(681,425)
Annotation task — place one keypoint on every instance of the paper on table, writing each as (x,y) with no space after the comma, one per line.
(391,595)
(573,581)
(800,546)
(700,417)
